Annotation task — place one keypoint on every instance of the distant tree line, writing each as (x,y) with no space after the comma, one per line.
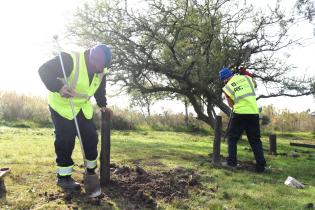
(32,111)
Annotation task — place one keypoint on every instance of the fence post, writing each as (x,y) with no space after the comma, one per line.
(217,140)
(105,148)
(273,144)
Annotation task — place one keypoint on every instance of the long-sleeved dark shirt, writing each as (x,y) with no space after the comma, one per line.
(50,71)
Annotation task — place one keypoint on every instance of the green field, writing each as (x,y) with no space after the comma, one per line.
(167,158)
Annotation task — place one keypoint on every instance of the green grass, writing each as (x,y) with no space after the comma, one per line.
(30,154)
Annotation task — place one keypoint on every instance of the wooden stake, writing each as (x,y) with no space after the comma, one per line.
(217,141)
(105,148)
(273,144)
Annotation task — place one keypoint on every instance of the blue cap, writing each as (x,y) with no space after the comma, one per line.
(225,73)
(100,56)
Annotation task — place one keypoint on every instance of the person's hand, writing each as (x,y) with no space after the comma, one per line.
(105,109)
(66,92)
(243,71)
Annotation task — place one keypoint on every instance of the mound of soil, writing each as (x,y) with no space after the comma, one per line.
(135,188)
(143,188)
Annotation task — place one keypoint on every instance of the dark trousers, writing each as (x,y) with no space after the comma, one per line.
(250,124)
(65,133)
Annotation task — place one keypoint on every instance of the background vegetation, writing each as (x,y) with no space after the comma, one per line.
(31,111)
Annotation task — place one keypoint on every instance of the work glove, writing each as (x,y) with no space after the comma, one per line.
(66,92)
(243,71)
(104,109)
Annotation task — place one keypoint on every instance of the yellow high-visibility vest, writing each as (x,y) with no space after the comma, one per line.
(79,82)
(241,90)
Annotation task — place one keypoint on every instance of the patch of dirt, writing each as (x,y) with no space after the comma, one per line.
(136,162)
(56,196)
(98,200)
(135,188)
(66,195)
(142,188)
(74,199)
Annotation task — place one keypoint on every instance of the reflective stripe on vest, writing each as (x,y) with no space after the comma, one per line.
(252,93)
(90,163)
(65,171)
(80,82)
(241,90)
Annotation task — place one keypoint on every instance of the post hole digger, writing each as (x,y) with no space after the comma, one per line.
(91,180)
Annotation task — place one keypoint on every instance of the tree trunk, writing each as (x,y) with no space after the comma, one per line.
(186,112)
(148,110)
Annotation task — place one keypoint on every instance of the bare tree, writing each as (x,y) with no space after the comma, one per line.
(306,8)
(178,47)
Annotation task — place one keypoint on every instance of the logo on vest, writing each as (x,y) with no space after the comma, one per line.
(238,88)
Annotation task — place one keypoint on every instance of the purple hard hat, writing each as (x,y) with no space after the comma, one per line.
(100,57)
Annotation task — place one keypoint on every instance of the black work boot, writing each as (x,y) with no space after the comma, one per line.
(261,168)
(90,171)
(68,183)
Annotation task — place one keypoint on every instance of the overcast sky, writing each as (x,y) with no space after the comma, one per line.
(27,28)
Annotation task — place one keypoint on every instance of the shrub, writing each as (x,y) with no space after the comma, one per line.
(32,111)
(124,119)
(15,107)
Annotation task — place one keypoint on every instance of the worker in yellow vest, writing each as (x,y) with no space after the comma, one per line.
(240,94)
(85,73)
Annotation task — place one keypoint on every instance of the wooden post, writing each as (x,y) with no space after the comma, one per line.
(105,148)
(273,144)
(217,140)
